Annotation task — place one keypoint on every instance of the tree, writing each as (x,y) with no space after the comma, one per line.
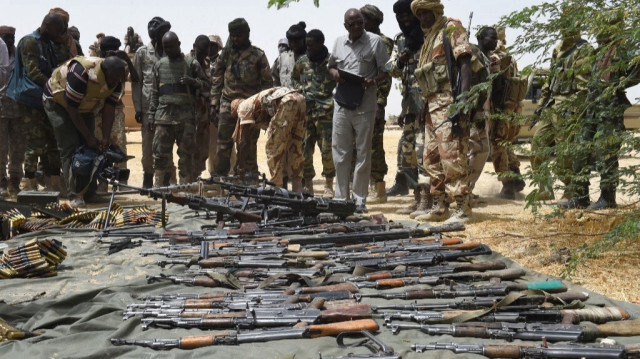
(279,4)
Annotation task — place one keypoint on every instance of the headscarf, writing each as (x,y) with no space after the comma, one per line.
(372,12)
(155,25)
(413,35)
(62,13)
(67,40)
(109,43)
(402,6)
(297,31)
(7,30)
(431,33)
(239,25)
(216,40)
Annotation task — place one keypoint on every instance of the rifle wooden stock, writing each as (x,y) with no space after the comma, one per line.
(594,315)
(625,328)
(502,351)
(200,341)
(329,288)
(202,303)
(205,315)
(323,330)
(358,311)
(204,281)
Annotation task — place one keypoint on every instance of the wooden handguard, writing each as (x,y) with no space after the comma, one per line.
(201,303)
(204,281)
(205,315)
(594,315)
(626,328)
(502,351)
(309,254)
(330,288)
(358,311)
(462,246)
(390,283)
(322,330)
(213,262)
(200,341)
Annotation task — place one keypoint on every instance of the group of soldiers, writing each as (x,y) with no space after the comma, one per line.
(213,102)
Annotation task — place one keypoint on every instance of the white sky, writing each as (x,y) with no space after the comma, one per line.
(190,18)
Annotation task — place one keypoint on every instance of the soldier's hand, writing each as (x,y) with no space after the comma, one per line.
(404,57)
(336,75)
(189,81)
(401,119)
(139,117)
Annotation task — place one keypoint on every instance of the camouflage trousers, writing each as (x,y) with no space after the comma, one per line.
(406,153)
(213,144)
(318,130)
(547,135)
(164,137)
(379,166)
(445,153)
(502,133)
(12,146)
(202,143)
(118,131)
(284,139)
(478,150)
(420,148)
(41,145)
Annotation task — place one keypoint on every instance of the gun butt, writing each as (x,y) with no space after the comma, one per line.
(594,315)
(199,341)
(502,351)
(358,311)
(247,217)
(330,288)
(322,330)
(625,328)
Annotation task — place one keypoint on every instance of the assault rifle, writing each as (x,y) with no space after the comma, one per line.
(526,331)
(262,318)
(227,338)
(438,270)
(570,351)
(565,316)
(443,279)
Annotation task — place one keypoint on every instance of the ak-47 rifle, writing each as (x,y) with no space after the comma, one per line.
(227,338)
(516,351)
(439,270)
(526,331)
(443,279)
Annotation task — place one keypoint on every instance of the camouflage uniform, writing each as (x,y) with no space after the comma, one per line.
(237,73)
(478,139)
(203,126)
(412,105)
(40,144)
(12,143)
(569,72)
(118,131)
(143,62)
(172,111)
(281,111)
(503,131)
(379,166)
(317,85)
(445,153)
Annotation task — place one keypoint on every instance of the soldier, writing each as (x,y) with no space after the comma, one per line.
(364,54)
(132,41)
(35,57)
(569,71)
(480,68)
(176,81)
(214,50)
(75,33)
(601,132)
(201,47)
(66,47)
(373,17)
(283,45)
(241,71)
(403,63)
(507,94)
(12,143)
(74,91)
(281,111)
(312,76)
(94,49)
(447,137)
(283,65)
(144,60)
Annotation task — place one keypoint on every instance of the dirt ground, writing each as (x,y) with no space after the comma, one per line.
(536,243)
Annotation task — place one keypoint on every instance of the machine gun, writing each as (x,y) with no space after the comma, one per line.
(526,331)
(568,351)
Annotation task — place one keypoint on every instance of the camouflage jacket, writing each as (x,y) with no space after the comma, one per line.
(480,70)
(506,66)
(143,63)
(569,70)
(384,87)
(412,102)
(38,66)
(168,97)
(239,74)
(8,107)
(283,68)
(315,81)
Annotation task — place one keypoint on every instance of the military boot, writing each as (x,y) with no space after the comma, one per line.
(463,212)
(416,202)
(56,184)
(14,186)
(607,200)
(379,194)
(147,181)
(400,187)
(328,188)
(158,178)
(579,197)
(438,212)
(425,203)
(508,190)
(308,185)
(4,186)
(173,176)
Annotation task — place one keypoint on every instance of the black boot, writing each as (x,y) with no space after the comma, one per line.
(285,182)
(607,200)
(400,187)
(508,190)
(166,180)
(579,200)
(147,181)
(412,178)
(518,183)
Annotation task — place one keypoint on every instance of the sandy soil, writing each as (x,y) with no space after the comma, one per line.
(539,244)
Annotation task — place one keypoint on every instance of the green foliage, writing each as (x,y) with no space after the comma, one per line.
(612,27)
(279,4)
